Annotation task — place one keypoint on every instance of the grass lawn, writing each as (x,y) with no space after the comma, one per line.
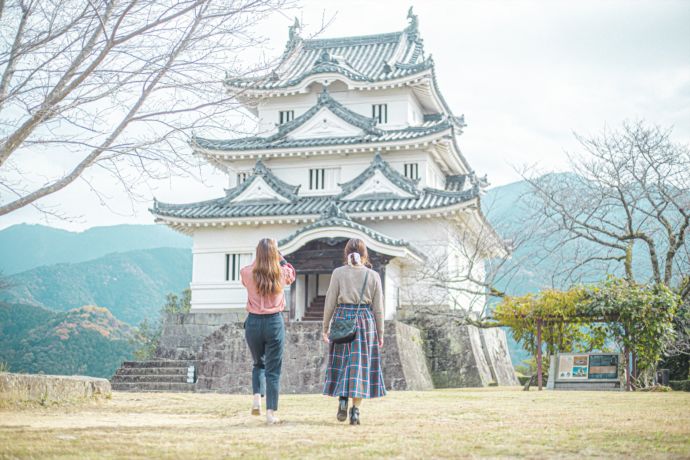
(443,423)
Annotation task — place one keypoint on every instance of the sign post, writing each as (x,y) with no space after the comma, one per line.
(586,371)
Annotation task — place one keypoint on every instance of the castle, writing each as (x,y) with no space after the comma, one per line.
(354,139)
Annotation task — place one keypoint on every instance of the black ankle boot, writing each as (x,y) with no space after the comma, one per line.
(342,409)
(354,416)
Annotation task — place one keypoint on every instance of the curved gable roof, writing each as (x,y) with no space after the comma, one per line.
(261,172)
(334,217)
(370,58)
(379,164)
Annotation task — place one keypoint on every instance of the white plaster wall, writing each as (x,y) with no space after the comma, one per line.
(392,288)
(210,290)
(343,168)
(299,298)
(430,236)
(324,281)
(434,237)
(403,107)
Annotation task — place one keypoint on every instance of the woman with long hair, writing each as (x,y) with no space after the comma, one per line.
(264,328)
(354,367)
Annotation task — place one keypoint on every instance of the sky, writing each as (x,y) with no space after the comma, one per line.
(526,75)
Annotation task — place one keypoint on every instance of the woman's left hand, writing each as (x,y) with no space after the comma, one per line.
(325,337)
(380,342)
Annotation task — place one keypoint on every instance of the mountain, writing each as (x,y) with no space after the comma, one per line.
(85,341)
(132,285)
(25,246)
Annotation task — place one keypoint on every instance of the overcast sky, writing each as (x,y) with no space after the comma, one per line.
(524,74)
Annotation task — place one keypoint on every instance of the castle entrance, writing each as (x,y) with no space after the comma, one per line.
(314,262)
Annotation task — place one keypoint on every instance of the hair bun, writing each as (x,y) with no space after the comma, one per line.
(354,259)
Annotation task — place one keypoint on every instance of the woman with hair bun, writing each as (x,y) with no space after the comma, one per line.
(354,364)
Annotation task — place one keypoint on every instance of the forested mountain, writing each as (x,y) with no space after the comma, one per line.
(82,341)
(132,285)
(25,246)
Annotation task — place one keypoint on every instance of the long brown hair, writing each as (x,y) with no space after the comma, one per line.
(358,246)
(267,274)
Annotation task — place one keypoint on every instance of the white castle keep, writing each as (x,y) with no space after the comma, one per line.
(354,139)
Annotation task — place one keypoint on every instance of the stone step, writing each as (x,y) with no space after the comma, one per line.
(157,363)
(159,378)
(152,371)
(153,386)
(312,318)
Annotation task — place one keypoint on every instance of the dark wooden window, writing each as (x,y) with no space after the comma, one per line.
(242,176)
(286,115)
(412,171)
(317,179)
(232,267)
(380,112)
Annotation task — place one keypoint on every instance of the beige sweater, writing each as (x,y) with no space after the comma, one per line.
(346,284)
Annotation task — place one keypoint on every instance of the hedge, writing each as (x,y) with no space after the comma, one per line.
(523,379)
(680,385)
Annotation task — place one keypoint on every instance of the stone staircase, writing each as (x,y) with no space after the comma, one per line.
(315,310)
(155,375)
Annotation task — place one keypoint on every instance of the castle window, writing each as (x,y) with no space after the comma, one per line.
(233,264)
(380,113)
(412,171)
(286,115)
(317,179)
(242,176)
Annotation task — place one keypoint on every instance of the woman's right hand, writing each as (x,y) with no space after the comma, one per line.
(325,337)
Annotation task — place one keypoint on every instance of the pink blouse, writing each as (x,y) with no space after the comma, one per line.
(265,304)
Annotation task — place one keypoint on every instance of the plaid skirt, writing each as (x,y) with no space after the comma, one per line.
(354,369)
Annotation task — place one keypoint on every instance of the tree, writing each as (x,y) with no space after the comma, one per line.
(5,283)
(117,85)
(638,318)
(474,264)
(625,206)
(149,332)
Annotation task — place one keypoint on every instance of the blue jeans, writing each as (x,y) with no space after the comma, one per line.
(265,336)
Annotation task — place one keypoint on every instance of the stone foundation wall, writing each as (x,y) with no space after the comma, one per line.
(496,345)
(404,361)
(183,335)
(460,355)
(421,353)
(225,363)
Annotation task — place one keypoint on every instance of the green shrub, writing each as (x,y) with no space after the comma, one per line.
(680,385)
(523,379)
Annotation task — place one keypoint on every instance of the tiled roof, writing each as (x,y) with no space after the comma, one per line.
(325,100)
(371,133)
(261,171)
(369,58)
(333,216)
(391,174)
(222,208)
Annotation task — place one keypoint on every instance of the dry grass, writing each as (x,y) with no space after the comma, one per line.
(442,423)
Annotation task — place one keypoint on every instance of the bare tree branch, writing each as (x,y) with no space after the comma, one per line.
(110,81)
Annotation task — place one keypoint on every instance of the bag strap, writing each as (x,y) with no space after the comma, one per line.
(364,285)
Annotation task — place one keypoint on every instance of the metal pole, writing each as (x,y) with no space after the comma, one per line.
(539,369)
(628,384)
